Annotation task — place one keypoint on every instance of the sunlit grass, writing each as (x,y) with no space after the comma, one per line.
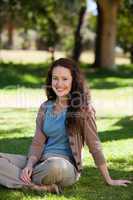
(16,132)
(112,93)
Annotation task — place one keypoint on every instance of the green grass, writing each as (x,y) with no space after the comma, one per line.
(117,139)
(33,75)
(115,127)
(106,85)
(22,75)
(30,79)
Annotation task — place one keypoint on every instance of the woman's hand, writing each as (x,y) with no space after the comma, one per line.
(105,173)
(25,175)
(119,182)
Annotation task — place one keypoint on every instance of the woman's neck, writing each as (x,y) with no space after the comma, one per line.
(62,101)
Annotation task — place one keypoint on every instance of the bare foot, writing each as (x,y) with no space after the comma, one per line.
(53,188)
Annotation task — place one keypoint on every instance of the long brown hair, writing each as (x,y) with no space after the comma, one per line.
(79,96)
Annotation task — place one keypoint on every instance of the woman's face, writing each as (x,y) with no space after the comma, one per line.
(61,81)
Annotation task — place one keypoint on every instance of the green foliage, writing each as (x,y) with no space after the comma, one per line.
(125,26)
(67,13)
(54,21)
(36,15)
(92,21)
(47,33)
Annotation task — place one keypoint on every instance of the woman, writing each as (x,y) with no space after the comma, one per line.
(64,123)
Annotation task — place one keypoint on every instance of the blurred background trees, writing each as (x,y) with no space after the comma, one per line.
(68,26)
(106,32)
(125,28)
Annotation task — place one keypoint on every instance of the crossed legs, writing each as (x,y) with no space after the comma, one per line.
(54,170)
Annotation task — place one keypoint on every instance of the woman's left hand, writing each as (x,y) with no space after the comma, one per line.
(119,182)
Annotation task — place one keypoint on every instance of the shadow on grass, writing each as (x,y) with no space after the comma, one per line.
(109,79)
(15,145)
(33,75)
(90,186)
(124,132)
(28,75)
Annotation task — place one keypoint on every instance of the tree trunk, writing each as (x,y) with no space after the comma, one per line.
(77,36)
(106,33)
(131,55)
(10,32)
(0,38)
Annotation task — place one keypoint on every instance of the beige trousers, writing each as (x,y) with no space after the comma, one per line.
(52,170)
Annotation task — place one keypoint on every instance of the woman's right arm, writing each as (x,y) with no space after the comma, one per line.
(94,144)
(36,148)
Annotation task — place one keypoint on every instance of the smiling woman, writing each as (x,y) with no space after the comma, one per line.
(61,81)
(64,123)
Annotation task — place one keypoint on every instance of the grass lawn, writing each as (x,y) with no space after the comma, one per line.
(116,136)
(115,129)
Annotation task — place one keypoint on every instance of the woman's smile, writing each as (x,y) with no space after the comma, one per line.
(61,81)
(60,90)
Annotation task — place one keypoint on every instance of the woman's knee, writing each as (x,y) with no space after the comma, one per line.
(58,165)
(63,171)
(55,170)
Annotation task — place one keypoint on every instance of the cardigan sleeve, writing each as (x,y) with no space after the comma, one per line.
(91,136)
(39,139)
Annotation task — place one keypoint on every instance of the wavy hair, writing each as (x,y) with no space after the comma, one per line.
(79,96)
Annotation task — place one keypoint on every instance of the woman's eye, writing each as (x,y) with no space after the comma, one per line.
(54,78)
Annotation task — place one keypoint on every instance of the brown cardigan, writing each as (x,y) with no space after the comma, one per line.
(90,136)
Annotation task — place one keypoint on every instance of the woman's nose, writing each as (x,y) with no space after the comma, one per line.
(59,83)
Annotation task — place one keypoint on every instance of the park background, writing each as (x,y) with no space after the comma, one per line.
(98,35)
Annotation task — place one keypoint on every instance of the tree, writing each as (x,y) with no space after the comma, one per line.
(8,11)
(125,27)
(77,36)
(71,16)
(36,15)
(106,33)
(39,16)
